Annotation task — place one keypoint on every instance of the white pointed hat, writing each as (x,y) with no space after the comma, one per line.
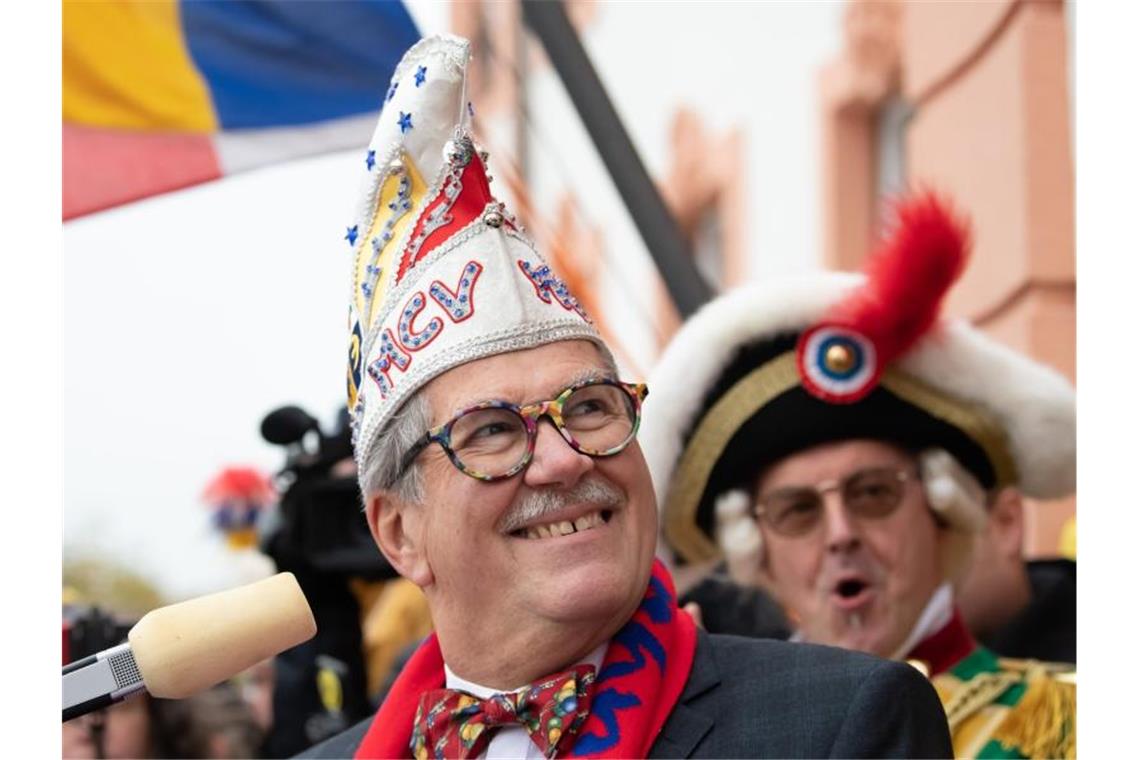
(442,274)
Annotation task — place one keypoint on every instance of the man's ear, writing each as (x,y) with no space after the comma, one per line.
(1007,521)
(397,528)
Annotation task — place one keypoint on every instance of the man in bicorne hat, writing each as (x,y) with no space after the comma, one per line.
(501,473)
(839,446)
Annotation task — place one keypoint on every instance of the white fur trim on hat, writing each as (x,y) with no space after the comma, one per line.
(706,343)
(1034,405)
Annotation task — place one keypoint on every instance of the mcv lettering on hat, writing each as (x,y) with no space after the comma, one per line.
(443,274)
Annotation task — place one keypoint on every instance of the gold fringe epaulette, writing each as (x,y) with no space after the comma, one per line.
(1065,670)
(975,694)
(1043,722)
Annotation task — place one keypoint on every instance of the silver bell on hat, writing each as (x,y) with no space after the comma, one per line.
(493,217)
(458,150)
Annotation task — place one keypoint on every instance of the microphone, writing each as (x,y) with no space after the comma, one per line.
(176,651)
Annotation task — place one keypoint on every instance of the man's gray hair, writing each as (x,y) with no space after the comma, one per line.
(380,470)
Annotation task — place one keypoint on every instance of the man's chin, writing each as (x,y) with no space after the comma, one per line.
(590,590)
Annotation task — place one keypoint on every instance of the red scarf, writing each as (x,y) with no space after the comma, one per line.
(642,676)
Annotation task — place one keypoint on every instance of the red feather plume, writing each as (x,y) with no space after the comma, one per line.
(907,276)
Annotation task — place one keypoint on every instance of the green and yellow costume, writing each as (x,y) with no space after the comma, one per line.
(1002,708)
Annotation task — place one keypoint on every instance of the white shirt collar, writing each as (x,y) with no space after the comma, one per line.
(939,610)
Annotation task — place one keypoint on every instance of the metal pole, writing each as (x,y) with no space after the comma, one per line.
(656,225)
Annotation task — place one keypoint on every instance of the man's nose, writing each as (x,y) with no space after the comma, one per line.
(841,531)
(555,463)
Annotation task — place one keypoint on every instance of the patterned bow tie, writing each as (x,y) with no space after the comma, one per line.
(451,723)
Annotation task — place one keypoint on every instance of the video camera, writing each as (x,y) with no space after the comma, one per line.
(321,537)
(322,526)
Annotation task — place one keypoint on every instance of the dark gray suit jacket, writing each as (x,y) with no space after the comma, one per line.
(763,698)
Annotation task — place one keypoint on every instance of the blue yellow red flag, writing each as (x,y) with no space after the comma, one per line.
(162,94)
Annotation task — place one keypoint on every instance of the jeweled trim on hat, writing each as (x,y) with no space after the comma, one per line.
(448,47)
(398,207)
(755,390)
(390,163)
(516,338)
(399,292)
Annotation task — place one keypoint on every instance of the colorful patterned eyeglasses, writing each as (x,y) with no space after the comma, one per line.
(495,440)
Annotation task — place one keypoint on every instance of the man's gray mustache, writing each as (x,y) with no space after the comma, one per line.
(537,504)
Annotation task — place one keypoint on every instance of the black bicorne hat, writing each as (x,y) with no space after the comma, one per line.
(778,367)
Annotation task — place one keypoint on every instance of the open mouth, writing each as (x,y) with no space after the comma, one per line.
(558,528)
(852,594)
(851,588)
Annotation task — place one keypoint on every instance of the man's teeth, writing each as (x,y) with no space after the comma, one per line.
(565,527)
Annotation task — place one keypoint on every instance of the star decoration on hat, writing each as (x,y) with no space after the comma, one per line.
(350,235)
(405,122)
(371,160)
(421,75)
(391,92)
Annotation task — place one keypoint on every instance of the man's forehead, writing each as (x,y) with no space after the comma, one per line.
(520,377)
(835,459)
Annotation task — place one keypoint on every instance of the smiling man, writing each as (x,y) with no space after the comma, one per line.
(840,447)
(520,558)
(500,468)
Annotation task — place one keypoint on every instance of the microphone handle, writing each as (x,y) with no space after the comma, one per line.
(99,680)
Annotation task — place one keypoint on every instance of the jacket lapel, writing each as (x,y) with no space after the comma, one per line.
(686,726)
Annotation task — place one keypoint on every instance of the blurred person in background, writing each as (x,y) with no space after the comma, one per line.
(215,723)
(125,730)
(395,619)
(724,605)
(839,446)
(256,688)
(1015,607)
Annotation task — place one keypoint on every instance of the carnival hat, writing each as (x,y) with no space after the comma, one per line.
(774,368)
(443,273)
